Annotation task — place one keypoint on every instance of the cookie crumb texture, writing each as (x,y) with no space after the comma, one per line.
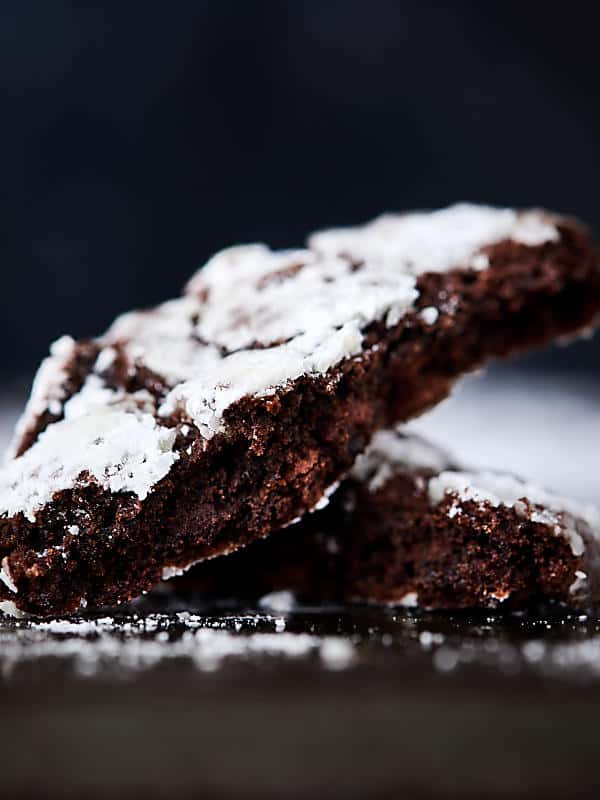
(408,529)
(191,429)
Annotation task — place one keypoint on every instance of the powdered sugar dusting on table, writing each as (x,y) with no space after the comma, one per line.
(141,643)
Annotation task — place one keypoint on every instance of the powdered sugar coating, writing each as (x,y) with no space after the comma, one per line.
(252,321)
(436,241)
(47,392)
(95,397)
(120,451)
(306,314)
(305,309)
(164,341)
(258,373)
(530,501)
(255,295)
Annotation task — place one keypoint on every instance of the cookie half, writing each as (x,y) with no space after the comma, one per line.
(408,528)
(191,429)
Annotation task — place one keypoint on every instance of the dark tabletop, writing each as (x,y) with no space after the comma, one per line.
(353,702)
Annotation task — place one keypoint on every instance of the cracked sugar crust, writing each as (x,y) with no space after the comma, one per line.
(257,389)
(408,527)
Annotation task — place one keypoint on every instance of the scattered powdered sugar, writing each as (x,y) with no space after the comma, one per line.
(390,452)
(528,500)
(145,642)
(436,241)
(122,452)
(409,600)
(337,653)
(445,659)
(80,627)
(281,602)
(579,656)
(564,645)
(429,638)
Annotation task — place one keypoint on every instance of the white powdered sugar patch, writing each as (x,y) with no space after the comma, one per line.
(528,500)
(409,600)
(9,608)
(47,392)
(429,315)
(95,397)
(391,452)
(257,373)
(122,452)
(105,360)
(579,582)
(6,577)
(163,340)
(436,241)
(175,572)
(313,298)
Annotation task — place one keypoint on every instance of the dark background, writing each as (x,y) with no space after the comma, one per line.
(137,138)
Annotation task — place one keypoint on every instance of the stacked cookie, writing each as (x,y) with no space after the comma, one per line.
(268,391)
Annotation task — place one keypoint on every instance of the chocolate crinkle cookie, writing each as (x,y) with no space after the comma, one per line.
(408,527)
(191,429)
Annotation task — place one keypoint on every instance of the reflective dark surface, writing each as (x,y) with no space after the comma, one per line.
(218,702)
